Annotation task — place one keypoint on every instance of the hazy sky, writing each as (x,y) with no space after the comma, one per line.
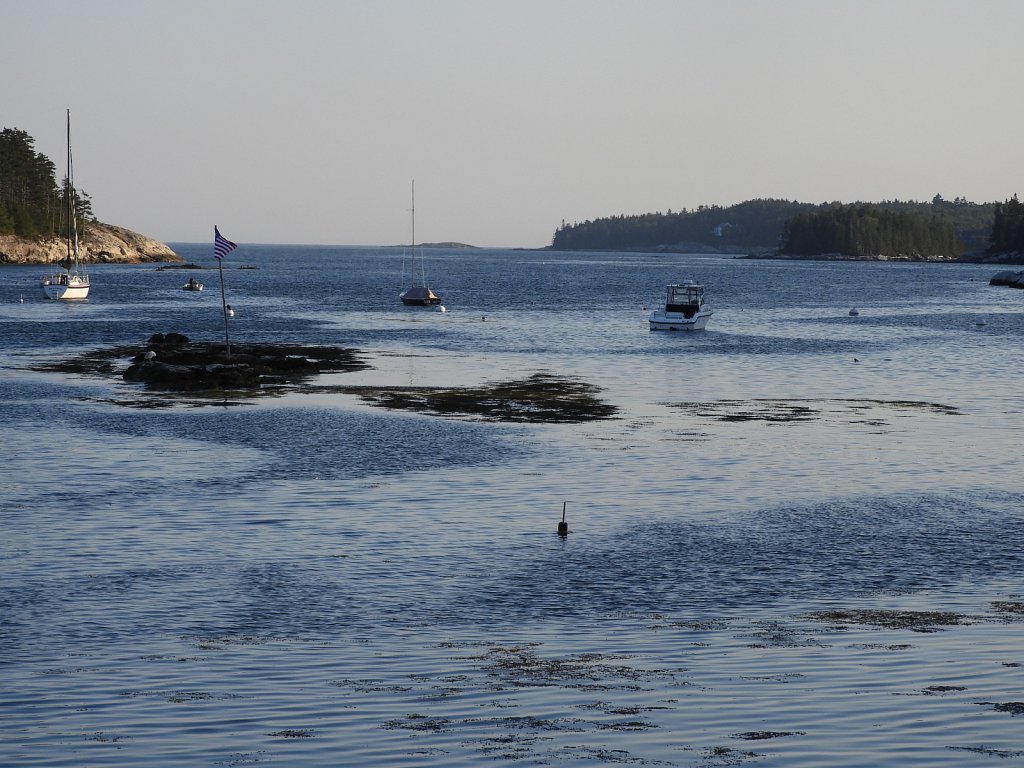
(304,121)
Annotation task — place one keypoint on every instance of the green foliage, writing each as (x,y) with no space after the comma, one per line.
(31,203)
(1008,227)
(754,224)
(864,230)
(6,222)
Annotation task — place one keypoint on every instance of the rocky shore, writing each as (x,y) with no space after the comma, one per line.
(1010,278)
(98,244)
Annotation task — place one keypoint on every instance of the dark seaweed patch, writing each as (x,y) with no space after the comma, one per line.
(418,722)
(538,398)
(1001,753)
(921,621)
(775,411)
(759,735)
(1008,607)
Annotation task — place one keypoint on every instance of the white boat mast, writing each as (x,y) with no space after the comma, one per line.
(72,213)
(412,247)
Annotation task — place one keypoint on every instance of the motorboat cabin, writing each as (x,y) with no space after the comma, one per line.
(685,309)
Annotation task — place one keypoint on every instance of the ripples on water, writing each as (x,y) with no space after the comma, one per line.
(308,581)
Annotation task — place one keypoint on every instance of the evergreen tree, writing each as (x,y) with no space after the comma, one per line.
(1008,227)
(31,203)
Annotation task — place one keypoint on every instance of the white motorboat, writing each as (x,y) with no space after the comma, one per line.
(69,282)
(192,285)
(684,310)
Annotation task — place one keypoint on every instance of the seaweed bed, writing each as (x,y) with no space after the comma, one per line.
(865,411)
(541,397)
(917,621)
(170,366)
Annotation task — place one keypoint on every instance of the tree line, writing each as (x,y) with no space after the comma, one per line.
(32,203)
(751,224)
(892,227)
(1008,227)
(864,231)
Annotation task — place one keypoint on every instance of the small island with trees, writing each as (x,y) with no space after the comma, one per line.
(33,212)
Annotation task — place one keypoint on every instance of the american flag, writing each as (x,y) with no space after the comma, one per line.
(221,245)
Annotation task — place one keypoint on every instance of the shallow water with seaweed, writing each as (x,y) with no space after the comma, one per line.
(796,543)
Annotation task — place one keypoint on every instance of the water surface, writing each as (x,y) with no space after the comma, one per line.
(306,580)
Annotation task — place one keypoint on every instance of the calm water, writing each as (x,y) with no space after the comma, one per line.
(308,581)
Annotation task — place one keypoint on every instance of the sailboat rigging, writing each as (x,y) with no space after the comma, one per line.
(70,282)
(418,293)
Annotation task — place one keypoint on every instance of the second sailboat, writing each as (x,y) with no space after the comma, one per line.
(418,293)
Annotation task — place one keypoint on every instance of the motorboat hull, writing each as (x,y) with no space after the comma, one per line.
(660,320)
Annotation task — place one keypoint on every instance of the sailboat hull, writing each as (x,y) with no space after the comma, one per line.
(418,296)
(419,293)
(66,287)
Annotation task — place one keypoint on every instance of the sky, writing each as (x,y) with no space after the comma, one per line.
(306,121)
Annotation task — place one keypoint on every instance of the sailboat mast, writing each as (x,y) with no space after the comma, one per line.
(423,268)
(73,218)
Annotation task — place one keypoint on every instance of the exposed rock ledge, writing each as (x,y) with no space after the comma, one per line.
(1012,279)
(99,243)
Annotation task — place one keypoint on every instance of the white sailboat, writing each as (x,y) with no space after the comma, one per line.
(70,282)
(418,293)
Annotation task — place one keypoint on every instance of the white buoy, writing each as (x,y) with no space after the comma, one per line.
(230,311)
(442,308)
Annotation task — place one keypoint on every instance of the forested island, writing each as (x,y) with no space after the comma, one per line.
(33,214)
(937,230)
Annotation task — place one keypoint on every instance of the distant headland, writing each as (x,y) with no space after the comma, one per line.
(894,230)
(34,223)
(436,245)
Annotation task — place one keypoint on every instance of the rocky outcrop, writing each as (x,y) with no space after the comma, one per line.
(172,363)
(1012,279)
(99,243)
(1007,257)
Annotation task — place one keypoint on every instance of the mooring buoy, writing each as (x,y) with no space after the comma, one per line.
(563,527)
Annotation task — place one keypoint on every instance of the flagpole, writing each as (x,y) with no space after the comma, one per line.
(224,306)
(221,248)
